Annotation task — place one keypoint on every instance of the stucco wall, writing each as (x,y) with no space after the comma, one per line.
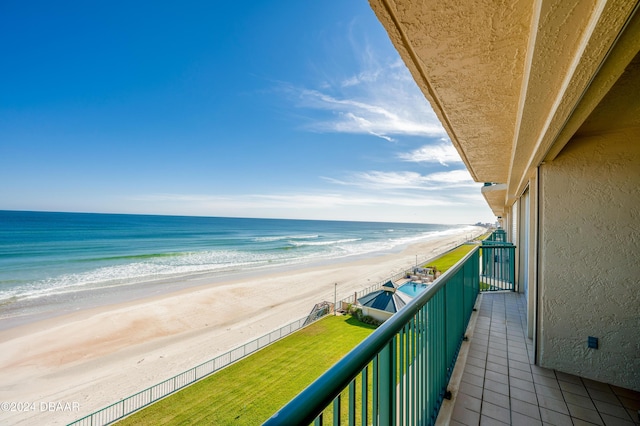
(377,313)
(590,259)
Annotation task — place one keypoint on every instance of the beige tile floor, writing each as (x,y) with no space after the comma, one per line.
(501,385)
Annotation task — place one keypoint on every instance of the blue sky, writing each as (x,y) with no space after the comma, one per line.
(290,109)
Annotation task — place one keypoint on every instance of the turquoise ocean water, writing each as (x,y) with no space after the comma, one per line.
(54,259)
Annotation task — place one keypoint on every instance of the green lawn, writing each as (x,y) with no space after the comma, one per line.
(251,390)
(449,259)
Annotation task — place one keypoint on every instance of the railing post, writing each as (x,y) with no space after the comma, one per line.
(512,267)
(352,403)
(375,412)
(365,396)
(336,411)
(387,388)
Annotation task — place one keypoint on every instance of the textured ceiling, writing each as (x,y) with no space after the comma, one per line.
(620,108)
(459,54)
(512,81)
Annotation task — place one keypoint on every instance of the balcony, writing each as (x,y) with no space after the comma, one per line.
(452,357)
(500,384)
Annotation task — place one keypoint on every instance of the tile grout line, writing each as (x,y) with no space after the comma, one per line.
(486,359)
(506,324)
(523,327)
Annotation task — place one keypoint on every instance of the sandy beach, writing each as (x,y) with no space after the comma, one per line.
(94,357)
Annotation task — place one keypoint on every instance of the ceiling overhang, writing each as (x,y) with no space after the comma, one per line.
(495,195)
(512,81)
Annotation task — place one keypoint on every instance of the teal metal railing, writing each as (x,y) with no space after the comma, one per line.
(399,374)
(499,235)
(498,269)
(497,263)
(145,397)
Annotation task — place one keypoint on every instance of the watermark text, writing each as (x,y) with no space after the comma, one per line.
(42,406)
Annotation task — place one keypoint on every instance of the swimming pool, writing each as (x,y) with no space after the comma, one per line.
(412,289)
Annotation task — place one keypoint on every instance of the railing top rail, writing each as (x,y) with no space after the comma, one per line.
(306,406)
(497,244)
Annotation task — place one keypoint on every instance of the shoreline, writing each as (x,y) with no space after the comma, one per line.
(98,355)
(30,310)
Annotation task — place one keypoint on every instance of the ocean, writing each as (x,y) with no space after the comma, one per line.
(54,262)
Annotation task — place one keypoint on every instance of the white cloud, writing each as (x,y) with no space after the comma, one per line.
(403,180)
(297,203)
(443,153)
(369,76)
(453,177)
(366,117)
(381,197)
(380,99)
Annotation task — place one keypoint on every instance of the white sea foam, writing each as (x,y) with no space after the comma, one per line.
(284,237)
(323,243)
(161,268)
(88,261)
